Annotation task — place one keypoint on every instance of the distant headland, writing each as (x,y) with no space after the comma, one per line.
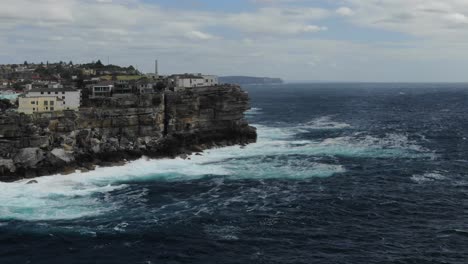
(248,80)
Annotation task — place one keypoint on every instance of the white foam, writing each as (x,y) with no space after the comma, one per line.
(81,194)
(325,122)
(254,111)
(428,177)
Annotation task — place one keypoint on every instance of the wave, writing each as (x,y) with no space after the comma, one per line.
(325,122)
(428,177)
(278,154)
(254,111)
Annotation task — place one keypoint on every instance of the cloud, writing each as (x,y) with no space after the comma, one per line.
(344,11)
(421,18)
(278,21)
(198,35)
(268,37)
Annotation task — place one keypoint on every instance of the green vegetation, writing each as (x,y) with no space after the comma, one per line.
(122,77)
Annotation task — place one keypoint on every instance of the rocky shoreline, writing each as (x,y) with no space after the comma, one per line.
(110,131)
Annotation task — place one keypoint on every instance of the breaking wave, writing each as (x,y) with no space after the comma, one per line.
(277,154)
(428,177)
(325,122)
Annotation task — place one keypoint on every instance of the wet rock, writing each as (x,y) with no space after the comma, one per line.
(32,182)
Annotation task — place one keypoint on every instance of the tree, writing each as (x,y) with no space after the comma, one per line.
(70,63)
(17,86)
(99,64)
(66,75)
(25,63)
(160,86)
(5,104)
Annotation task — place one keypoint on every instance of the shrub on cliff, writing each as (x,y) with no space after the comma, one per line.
(5,104)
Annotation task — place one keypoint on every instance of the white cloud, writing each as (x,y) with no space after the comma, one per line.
(198,35)
(278,21)
(422,18)
(344,11)
(457,18)
(313,28)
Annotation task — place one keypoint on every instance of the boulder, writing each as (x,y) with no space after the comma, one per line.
(29,157)
(66,156)
(7,165)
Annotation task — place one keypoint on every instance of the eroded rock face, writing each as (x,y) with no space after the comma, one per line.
(29,157)
(157,125)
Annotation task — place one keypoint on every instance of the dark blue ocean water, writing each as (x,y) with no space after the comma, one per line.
(342,173)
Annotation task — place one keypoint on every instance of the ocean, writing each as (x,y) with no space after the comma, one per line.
(341,173)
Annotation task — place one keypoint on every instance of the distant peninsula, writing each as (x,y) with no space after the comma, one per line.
(248,80)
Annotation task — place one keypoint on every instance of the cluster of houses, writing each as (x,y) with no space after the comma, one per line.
(55,96)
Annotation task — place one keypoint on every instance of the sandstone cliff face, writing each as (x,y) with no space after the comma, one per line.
(117,129)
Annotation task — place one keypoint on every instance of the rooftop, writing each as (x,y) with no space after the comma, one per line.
(53,90)
(187,76)
(104,83)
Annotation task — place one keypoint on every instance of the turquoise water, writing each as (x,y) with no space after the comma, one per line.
(11,97)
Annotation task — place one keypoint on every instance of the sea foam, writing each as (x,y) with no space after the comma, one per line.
(277,154)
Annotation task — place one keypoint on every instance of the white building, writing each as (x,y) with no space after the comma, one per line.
(70,98)
(102,89)
(210,80)
(193,80)
(54,85)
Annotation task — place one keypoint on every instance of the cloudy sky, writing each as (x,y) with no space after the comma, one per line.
(338,40)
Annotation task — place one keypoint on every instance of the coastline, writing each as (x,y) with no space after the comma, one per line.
(124,158)
(110,131)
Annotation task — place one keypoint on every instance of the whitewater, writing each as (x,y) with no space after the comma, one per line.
(73,196)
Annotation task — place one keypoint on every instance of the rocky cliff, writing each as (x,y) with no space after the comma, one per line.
(112,130)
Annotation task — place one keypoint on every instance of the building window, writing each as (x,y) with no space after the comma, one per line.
(42,92)
(48,92)
(63,97)
(56,92)
(46,103)
(32,102)
(51,109)
(51,102)
(63,92)
(34,109)
(47,108)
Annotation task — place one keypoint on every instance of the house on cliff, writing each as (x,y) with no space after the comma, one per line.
(30,105)
(49,100)
(146,86)
(181,81)
(102,89)
(123,87)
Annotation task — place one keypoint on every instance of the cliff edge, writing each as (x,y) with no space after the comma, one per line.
(110,130)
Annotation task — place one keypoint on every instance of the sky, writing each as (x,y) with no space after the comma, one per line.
(297,40)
